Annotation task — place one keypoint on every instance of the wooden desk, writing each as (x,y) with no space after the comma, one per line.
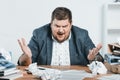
(31,77)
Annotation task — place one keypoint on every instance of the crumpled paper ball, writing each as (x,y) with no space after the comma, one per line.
(97,67)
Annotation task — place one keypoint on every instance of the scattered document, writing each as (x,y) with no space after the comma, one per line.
(55,74)
(111,77)
(44,73)
(75,75)
(97,67)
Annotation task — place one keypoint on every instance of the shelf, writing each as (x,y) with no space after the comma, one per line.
(114,6)
(111,23)
(112,12)
(113,31)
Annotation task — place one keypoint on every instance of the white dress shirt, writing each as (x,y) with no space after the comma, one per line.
(61,54)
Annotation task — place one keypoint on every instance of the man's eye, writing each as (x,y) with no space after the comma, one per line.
(57,26)
(64,26)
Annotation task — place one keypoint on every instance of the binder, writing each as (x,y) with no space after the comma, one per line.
(112,59)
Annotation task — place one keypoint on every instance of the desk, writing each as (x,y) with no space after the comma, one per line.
(31,77)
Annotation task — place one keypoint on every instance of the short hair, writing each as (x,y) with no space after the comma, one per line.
(61,13)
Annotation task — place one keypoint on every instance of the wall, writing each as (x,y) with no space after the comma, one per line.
(18,18)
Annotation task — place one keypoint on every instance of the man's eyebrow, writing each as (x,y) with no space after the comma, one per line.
(61,26)
(66,25)
(57,25)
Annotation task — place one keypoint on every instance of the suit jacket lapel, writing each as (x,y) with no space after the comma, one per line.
(72,49)
(49,50)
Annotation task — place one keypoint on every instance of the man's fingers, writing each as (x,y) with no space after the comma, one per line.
(94,52)
(20,43)
(24,42)
(99,46)
(91,54)
(24,47)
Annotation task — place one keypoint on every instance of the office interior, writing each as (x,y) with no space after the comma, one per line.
(18,18)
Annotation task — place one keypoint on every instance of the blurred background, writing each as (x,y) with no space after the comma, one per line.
(18,18)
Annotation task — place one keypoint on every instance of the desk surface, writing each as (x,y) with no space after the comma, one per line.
(31,77)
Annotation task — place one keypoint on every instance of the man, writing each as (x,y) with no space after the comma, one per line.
(59,43)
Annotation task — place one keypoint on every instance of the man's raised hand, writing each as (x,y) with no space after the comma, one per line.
(26,50)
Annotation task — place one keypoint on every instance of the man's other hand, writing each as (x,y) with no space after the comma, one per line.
(92,53)
(26,50)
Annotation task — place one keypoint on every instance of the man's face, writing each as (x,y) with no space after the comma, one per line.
(60,29)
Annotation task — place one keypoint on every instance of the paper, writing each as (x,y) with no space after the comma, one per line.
(111,77)
(12,76)
(55,74)
(97,67)
(75,75)
(44,73)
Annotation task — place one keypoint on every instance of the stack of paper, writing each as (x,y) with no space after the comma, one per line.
(12,76)
(8,71)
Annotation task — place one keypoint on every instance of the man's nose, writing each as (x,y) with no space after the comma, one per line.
(61,29)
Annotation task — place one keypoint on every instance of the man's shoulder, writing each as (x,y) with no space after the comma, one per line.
(79,33)
(42,31)
(43,28)
(77,29)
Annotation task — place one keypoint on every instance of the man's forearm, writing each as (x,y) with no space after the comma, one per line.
(24,60)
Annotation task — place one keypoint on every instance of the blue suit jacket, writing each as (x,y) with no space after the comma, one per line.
(41,46)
